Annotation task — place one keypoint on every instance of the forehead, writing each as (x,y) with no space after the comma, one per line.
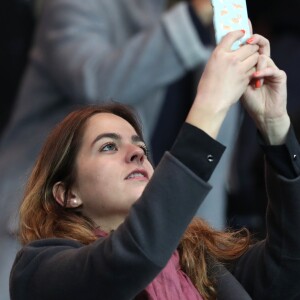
(107,122)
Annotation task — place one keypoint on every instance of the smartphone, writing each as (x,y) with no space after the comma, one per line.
(230,15)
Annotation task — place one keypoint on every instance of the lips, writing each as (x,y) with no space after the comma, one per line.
(137,174)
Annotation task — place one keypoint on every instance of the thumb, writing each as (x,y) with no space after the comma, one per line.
(231,37)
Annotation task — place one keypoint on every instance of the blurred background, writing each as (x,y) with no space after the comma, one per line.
(16,30)
(277,20)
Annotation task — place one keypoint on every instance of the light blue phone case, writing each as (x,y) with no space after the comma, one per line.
(230,15)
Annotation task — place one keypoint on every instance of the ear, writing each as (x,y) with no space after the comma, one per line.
(59,191)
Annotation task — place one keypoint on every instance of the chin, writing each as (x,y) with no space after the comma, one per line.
(137,195)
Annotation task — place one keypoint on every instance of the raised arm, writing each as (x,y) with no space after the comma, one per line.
(270,269)
(266,101)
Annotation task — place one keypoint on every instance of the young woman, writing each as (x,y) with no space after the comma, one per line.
(97,222)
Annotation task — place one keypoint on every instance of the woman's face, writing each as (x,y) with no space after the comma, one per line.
(112,169)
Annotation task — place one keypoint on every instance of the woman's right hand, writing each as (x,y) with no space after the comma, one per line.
(224,80)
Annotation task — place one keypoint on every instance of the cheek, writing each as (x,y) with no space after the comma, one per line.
(96,194)
(86,179)
(97,181)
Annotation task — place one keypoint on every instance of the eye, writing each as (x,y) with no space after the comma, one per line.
(145,149)
(109,147)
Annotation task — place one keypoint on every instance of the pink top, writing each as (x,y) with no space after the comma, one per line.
(170,284)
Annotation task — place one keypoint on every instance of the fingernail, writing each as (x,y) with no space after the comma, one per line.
(243,31)
(257,83)
(249,41)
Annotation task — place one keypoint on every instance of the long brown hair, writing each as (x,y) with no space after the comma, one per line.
(41,216)
(202,249)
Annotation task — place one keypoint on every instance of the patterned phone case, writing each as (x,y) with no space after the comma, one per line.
(230,15)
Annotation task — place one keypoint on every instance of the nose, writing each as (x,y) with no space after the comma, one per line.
(135,154)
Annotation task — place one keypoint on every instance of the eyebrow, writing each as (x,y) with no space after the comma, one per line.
(115,136)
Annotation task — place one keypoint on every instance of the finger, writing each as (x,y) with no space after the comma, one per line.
(272,75)
(231,37)
(246,51)
(262,42)
(249,65)
(250,62)
(270,71)
(250,73)
(262,63)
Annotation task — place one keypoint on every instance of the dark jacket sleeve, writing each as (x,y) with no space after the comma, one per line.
(285,159)
(123,264)
(206,156)
(271,268)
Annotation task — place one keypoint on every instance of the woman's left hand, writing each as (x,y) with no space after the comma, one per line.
(266,97)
